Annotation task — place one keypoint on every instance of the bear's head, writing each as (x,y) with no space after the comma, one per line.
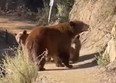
(25,32)
(21,37)
(78,26)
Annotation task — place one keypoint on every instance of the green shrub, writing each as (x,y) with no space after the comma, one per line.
(102,60)
(18,69)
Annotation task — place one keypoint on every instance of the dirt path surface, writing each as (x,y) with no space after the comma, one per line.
(15,24)
(84,71)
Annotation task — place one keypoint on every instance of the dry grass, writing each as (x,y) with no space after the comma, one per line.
(19,69)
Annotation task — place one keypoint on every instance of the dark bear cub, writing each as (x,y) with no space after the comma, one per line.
(75,49)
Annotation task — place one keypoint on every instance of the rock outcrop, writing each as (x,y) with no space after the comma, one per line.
(101,16)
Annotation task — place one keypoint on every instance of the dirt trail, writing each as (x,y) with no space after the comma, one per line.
(84,71)
(15,24)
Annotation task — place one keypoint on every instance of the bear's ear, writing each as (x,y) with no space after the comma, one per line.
(24,32)
(14,34)
(72,23)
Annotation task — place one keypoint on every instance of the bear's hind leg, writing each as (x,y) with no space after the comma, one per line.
(58,61)
(39,59)
(64,56)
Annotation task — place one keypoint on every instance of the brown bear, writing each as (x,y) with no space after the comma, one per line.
(56,39)
(74,51)
(21,38)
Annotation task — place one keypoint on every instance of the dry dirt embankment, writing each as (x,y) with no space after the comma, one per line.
(101,16)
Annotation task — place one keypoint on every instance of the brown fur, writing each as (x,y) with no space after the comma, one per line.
(21,38)
(75,49)
(74,52)
(57,39)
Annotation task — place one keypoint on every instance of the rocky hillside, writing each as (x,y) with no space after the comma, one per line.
(101,16)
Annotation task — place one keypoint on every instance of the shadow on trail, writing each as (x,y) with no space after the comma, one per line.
(86,64)
(87,57)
